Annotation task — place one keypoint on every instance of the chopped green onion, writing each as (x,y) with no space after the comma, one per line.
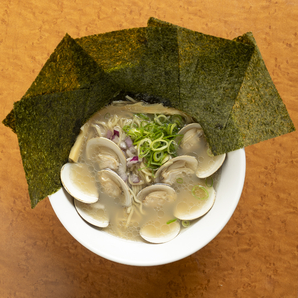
(166,158)
(161,119)
(157,156)
(199,187)
(185,223)
(172,220)
(177,119)
(143,116)
(211,182)
(179,180)
(171,147)
(156,145)
(158,140)
(107,116)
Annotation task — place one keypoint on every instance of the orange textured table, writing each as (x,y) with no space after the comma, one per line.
(255,255)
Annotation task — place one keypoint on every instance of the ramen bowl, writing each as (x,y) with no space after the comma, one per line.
(189,240)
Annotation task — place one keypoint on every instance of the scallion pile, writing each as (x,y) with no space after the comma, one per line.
(156,137)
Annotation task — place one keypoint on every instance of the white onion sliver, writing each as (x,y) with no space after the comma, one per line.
(115,139)
(123,145)
(133,150)
(129,153)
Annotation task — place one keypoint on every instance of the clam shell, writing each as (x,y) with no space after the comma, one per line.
(190,163)
(93,148)
(93,213)
(215,162)
(127,198)
(142,194)
(151,231)
(211,163)
(198,208)
(86,191)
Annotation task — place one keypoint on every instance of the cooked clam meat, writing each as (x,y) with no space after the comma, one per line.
(104,153)
(168,172)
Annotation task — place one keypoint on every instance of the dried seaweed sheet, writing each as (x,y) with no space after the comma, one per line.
(140,60)
(212,70)
(45,139)
(241,106)
(68,68)
(47,126)
(259,111)
(10,121)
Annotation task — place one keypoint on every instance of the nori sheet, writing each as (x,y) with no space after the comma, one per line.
(68,68)
(47,126)
(227,88)
(45,138)
(259,111)
(140,60)
(10,121)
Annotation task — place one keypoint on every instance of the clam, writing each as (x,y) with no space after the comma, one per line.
(168,172)
(191,135)
(154,198)
(79,182)
(195,203)
(194,143)
(114,186)
(94,214)
(106,154)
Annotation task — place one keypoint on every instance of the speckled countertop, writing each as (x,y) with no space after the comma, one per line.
(255,255)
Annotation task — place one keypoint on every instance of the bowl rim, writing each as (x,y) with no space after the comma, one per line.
(146,254)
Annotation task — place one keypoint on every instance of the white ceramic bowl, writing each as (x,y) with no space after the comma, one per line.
(186,243)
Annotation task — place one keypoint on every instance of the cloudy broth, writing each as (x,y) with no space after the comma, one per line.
(157,217)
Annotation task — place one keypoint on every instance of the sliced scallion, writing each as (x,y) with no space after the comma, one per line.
(143,116)
(171,220)
(179,180)
(200,188)
(185,223)
(157,140)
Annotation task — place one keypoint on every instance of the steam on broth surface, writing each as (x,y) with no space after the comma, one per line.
(148,166)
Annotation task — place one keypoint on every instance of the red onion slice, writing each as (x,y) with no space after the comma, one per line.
(134,178)
(116,133)
(128,142)
(109,134)
(132,160)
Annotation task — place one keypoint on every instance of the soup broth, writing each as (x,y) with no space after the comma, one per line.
(160,212)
